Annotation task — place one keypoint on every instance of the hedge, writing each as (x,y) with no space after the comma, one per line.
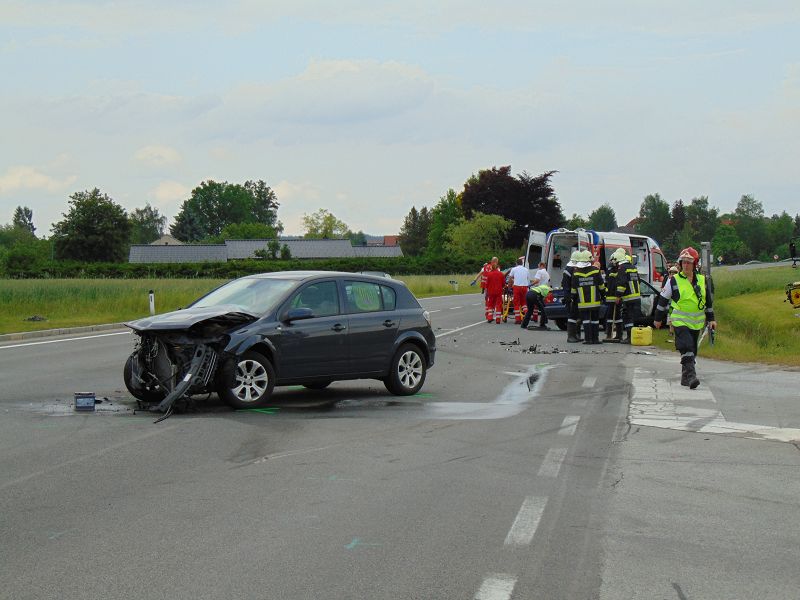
(236,268)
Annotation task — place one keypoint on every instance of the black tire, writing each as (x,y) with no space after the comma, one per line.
(317,385)
(407,371)
(561,324)
(136,390)
(253,381)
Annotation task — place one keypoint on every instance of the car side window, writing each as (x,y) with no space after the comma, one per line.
(363,296)
(322,298)
(389,297)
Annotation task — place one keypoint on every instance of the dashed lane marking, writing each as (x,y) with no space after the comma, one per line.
(437,310)
(589,382)
(497,586)
(668,405)
(524,527)
(569,425)
(551,464)
(459,329)
(455,307)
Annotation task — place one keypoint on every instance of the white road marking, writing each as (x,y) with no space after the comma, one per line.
(515,373)
(666,404)
(569,425)
(85,337)
(589,382)
(524,527)
(455,307)
(479,304)
(551,464)
(497,586)
(459,329)
(437,310)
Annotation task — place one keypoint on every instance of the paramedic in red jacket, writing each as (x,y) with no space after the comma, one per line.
(495,282)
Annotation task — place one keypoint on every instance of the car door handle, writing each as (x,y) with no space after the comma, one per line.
(388,323)
(338,327)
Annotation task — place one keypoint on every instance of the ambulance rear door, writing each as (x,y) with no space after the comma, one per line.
(535,252)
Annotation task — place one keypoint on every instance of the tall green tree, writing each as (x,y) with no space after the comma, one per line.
(322,224)
(23,218)
(678,215)
(751,226)
(213,205)
(577,221)
(655,220)
(727,245)
(603,218)
(446,212)
(701,219)
(147,225)
(188,225)
(480,236)
(414,232)
(94,229)
(780,230)
(243,231)
(528,202)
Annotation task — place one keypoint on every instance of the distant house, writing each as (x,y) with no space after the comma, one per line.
(630,227)
(167,240)
(244,249)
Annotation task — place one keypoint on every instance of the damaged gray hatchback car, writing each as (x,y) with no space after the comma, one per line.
(296,327)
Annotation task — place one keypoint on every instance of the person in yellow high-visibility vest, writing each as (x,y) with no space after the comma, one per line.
(689,294)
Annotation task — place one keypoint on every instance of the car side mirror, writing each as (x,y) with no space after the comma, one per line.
(298,314)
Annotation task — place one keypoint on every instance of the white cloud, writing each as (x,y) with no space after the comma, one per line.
(30,178)
(157,156)
(168,196)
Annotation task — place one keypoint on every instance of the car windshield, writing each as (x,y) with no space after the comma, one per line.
(253,295)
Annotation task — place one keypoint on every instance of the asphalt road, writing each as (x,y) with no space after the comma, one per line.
(516,473)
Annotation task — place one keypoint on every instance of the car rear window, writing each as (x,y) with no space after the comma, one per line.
(363,297)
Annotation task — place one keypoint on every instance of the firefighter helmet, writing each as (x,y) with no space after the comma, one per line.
(619,255)
(690,254)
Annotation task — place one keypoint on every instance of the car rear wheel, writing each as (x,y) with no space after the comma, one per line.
(253,382)
(407,371)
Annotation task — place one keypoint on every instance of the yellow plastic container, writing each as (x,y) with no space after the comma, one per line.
(642,336)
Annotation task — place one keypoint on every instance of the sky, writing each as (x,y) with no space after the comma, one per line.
(369,108)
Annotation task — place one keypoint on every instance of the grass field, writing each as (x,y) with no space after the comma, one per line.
(76,302)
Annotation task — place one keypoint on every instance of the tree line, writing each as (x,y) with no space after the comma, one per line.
(491,214)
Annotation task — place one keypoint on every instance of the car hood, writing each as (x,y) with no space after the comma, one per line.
(178,320)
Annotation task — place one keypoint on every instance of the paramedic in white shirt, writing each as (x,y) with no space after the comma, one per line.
(542,277)
(520,277)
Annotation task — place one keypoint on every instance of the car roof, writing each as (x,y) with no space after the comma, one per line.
(303,275)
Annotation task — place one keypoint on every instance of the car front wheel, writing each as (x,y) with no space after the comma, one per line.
(407,371)
(253,382)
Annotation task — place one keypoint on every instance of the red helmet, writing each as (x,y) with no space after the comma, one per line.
(689,253)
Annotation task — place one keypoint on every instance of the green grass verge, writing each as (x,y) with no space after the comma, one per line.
(76,302)
(755,324)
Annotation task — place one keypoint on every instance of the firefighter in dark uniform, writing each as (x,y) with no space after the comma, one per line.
(587,292)
(690,295)
(628,295)
(613,312)
(573,333)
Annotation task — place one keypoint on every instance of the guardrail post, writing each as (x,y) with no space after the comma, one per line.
(152,302)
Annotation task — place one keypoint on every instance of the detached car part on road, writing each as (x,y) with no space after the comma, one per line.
(296,327)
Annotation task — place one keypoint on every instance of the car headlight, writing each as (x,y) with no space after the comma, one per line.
(427,316)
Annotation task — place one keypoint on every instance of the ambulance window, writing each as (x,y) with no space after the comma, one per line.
(661,266)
